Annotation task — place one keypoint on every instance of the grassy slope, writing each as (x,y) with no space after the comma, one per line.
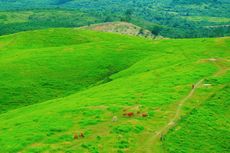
(41,65)
(206,129)
(154,84)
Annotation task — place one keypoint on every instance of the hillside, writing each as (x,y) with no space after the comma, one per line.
(45,64)
(121,28)
(177,89)
(168,18)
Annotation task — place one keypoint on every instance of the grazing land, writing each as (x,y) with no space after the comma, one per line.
(75,90)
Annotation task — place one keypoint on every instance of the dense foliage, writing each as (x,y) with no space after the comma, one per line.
(16,21)
(173,18)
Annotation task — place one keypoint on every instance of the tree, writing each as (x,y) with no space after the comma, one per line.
(155,30)
(128,15)
(108,19)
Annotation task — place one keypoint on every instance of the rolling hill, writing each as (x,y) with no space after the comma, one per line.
(124,28)
(41,65)
(124,93)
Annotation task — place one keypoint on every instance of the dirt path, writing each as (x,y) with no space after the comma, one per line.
(153,143)
(150,145)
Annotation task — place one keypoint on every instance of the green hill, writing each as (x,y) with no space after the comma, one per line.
(180,86)
(124,28)
(46,64)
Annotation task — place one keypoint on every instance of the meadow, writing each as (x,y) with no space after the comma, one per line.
(46,64)
(56,83)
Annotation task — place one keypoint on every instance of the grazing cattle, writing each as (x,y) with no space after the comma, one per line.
(130,114)
(193,86)
(144,115)
(75,136)
(82,135)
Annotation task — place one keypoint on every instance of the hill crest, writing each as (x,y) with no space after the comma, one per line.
(124,28)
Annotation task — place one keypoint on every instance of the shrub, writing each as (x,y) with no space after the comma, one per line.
(123,144)
(86,122)
(138,128)
(122,129)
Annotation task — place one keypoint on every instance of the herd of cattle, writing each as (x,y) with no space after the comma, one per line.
(125,114)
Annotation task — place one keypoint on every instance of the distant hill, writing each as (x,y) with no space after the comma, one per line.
(122,28)
(173,18)
(16,21)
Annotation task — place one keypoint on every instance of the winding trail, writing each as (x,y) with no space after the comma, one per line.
(151,143)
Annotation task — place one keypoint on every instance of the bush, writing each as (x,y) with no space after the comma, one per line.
(122,129)
(123,144)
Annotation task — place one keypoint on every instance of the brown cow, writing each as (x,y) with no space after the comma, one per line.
(75,136)
(193,86)
(130,114)
(82,135)
(144,115)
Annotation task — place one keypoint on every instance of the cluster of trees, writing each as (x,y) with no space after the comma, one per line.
(46,19)
(163,17)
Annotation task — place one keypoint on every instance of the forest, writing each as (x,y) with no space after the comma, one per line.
(169,18)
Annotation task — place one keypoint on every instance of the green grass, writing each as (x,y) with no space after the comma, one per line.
(209,19)
(42,65)
(206,129)
(147,77)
